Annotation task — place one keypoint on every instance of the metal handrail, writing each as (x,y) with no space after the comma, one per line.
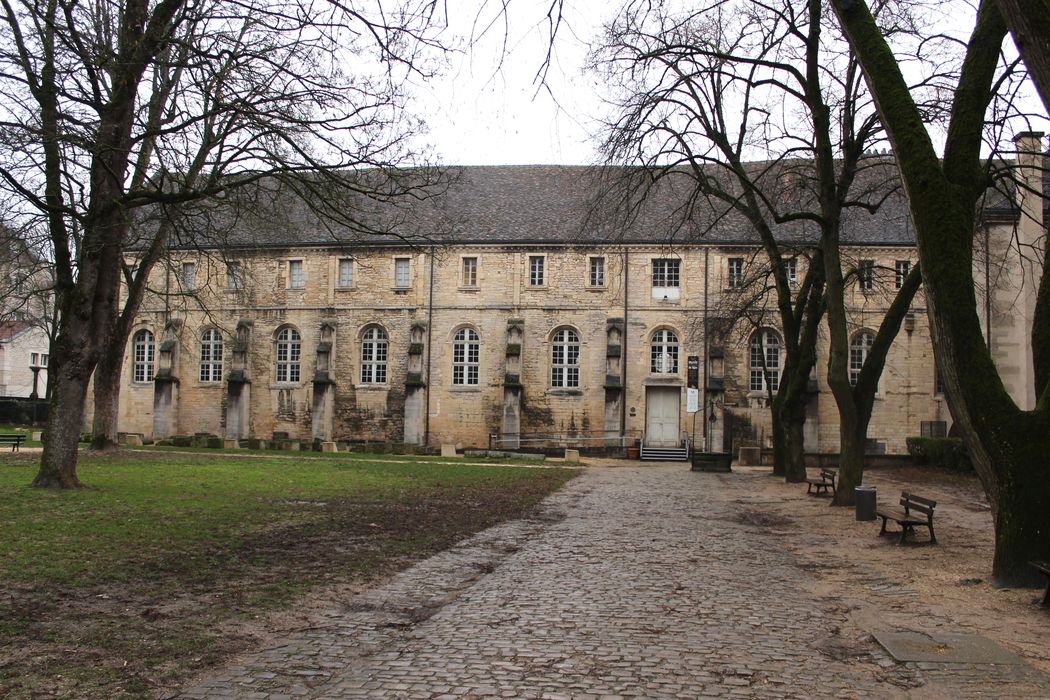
(601,438)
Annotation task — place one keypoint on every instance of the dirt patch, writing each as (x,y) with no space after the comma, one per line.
(175,617)
(762,519)
(874,575)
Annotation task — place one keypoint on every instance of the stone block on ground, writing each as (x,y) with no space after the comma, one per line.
(751,456)
(231,444)
(329,447)
(449,451)
(572,456)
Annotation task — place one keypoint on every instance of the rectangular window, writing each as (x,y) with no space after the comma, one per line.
(346,273)
(401,270)
(296,275)
(189,276)
(902,268)
(866,275)
(735,280)
(470,272)
(791,271)
(666,273)
(43,360)
(34,359)
(536,270)
(597,272)
(234,276)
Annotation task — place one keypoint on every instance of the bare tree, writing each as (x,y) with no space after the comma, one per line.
(1007,444)
(115,109)
(769,122)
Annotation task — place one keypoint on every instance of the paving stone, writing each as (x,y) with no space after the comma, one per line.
(631,582)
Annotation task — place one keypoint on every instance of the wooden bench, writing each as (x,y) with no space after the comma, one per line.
(1043,567)
(914,510)
(821,485)
(14,440)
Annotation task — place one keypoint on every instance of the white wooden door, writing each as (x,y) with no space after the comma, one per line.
(661,416)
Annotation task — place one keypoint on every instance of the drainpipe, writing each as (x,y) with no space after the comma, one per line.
(703,386)
(623,356)
(430,333)
(988,288)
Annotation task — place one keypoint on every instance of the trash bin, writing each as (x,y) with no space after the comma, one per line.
(864,497)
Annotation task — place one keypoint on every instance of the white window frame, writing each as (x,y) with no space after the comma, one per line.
(34,359)
(466,358)
(667,273)
(866,275)
(859,349)
(565,359)
(344,281)
(596,271)
(663,345)
(735,272)
(44,359)
(142,356)
(296,274)
(211,347)
(288,356)
(537,271)
(402,273)
(902,268)
(375,351)
(791,272)
(468,271)
(760,347)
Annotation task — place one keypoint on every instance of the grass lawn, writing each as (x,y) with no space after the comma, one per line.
(157,569)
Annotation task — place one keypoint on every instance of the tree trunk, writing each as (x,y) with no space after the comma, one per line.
(781,451)
(795,424)
(107,400)
(1029,23)
(58,463)
(1022,519)
(853,435)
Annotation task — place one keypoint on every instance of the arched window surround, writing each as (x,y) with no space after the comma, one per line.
(859,349)
(288,345)
(375,347)
(664,349)
(565,358)
(466,357)
(211,348)
(143,352)
(764,360)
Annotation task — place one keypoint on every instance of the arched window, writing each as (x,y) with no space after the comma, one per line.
(211,356)
(466,353)
(289,350)
(565,359)
(764,360)
(142,357)
(859,348)
(663,353)
(373,356)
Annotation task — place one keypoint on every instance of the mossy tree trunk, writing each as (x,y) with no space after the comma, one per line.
(1007,445)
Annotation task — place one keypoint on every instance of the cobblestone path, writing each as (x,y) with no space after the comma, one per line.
(636,581)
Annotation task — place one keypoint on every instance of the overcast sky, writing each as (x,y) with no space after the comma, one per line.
(482,112)
(486,108)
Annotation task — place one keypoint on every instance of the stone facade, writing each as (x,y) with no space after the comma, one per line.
(473,343)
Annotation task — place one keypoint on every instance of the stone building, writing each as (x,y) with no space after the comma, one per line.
(514,317)
(26,315)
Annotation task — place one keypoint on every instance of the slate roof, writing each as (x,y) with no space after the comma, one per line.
(551,204)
